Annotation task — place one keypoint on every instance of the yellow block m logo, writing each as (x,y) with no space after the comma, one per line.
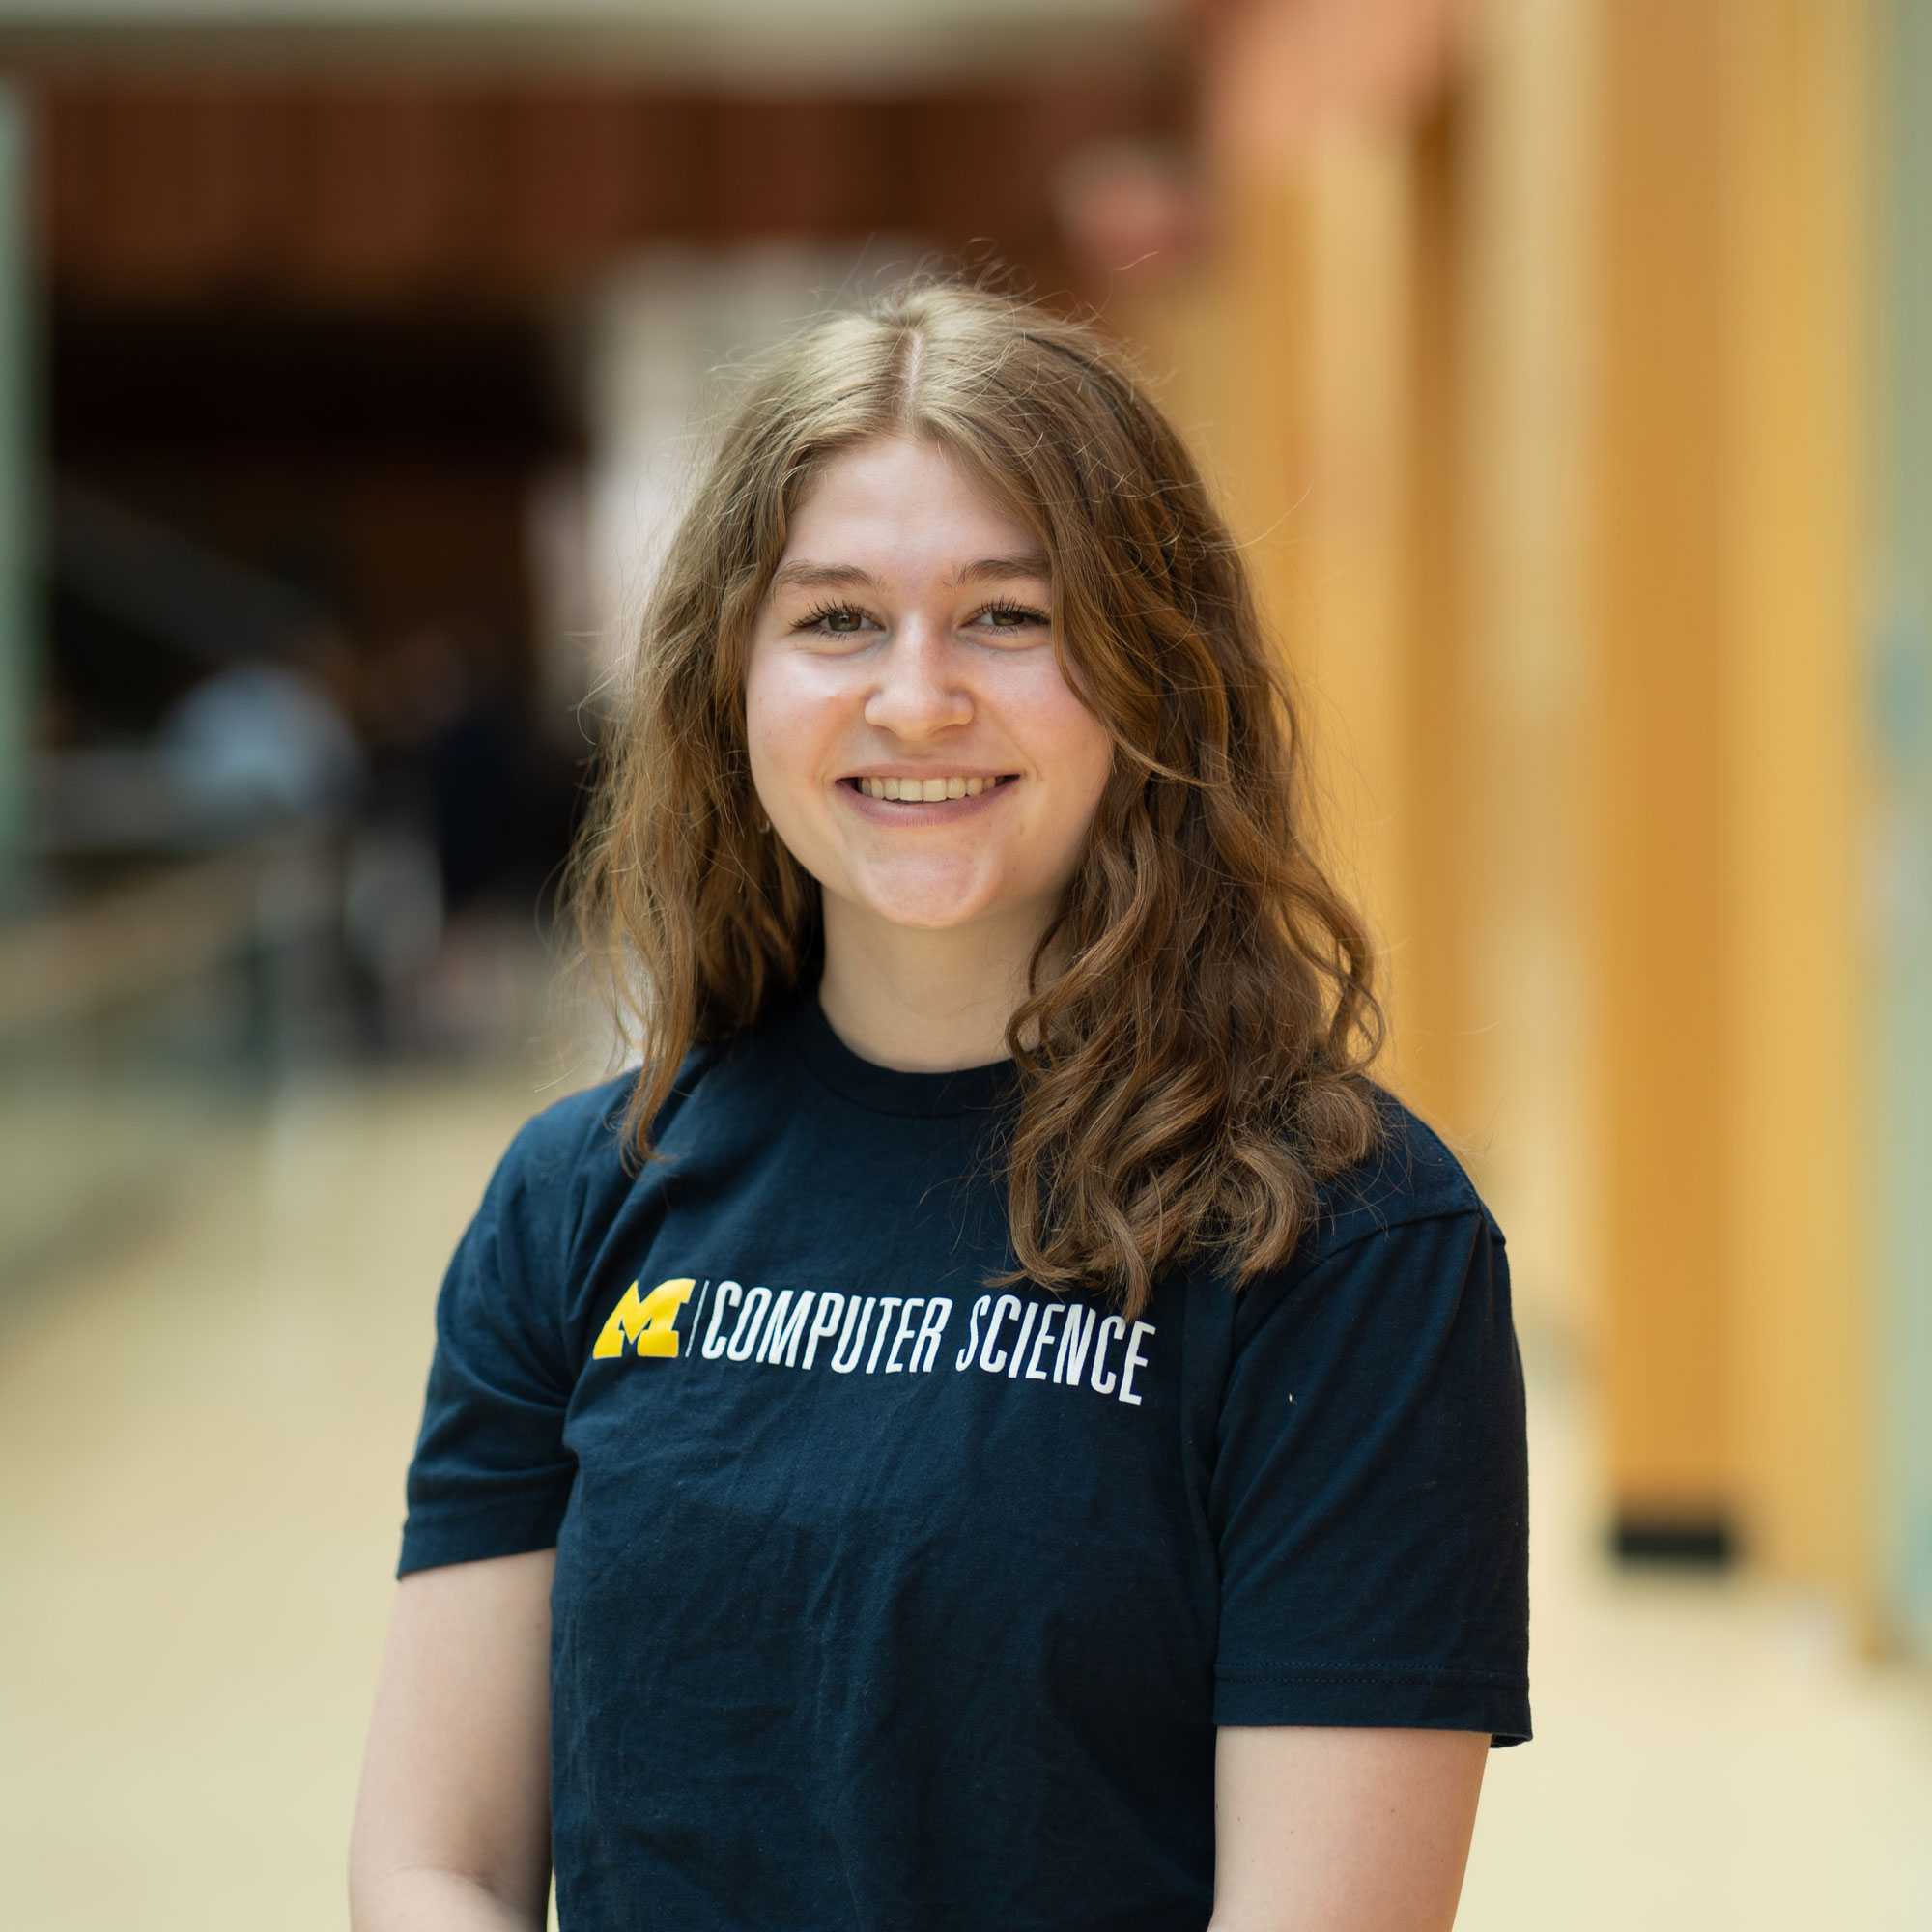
(649,1324)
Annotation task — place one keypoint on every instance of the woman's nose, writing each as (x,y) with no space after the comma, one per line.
(918,689)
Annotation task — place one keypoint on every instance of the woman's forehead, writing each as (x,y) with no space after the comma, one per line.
(891,506)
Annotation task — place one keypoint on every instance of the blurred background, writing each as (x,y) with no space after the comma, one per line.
(1565,365)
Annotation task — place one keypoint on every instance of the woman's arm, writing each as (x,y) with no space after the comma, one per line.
(452,1824)
(1342,1831)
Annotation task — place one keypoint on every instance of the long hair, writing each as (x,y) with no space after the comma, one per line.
(1199,1014)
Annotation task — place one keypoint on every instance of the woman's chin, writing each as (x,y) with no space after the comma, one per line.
(926,905)
(937,915)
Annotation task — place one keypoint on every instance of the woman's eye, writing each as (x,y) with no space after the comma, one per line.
(1012,616)
(840,619)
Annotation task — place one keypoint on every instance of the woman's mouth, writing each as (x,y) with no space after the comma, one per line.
(911,788)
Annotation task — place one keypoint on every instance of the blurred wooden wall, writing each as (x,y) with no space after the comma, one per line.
(1378,357)
(275,183)
(1537,387)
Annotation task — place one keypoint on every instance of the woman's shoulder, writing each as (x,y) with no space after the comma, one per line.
(1410,1175)
(587,1128)
(581,1131)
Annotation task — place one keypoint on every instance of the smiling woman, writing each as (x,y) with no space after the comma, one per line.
(917,749)
(1190,1007)
(1068,1472)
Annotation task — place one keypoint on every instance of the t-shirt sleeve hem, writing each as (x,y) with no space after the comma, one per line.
(507,1526)
(1384,1700)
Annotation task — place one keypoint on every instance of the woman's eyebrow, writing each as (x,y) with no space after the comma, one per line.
(803,575)
(995,569)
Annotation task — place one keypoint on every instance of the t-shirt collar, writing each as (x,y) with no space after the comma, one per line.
(885,1090)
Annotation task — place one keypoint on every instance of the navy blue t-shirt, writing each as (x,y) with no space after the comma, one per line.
(888,1598)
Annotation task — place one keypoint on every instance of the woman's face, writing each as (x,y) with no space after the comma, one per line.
(912,738)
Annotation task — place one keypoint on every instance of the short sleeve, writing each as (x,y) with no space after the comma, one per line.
(1369,1495)
(492,1476)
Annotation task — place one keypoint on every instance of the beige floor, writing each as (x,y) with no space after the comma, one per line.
(203,1423)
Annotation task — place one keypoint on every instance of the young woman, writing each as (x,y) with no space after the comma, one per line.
(999,1424)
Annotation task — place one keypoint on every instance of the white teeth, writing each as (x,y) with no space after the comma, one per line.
(926,791)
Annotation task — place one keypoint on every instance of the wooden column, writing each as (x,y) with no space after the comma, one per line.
(1797,182)
(1733,793)
(1661,939)
(1443,739)
(1524,242)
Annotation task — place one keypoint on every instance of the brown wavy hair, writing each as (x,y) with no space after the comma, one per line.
(1201,1012)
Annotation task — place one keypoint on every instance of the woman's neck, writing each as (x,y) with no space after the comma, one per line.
(922,1002)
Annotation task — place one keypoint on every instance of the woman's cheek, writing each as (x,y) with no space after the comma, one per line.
(794,708)
(772,729)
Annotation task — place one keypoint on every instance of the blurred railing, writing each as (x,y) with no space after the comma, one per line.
(136,1019)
